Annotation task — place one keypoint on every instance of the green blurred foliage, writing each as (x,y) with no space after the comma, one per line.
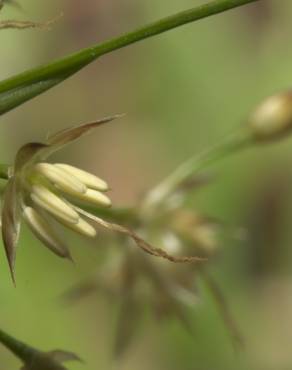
(182,92)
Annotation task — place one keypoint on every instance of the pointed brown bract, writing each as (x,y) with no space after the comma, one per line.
(27,154)
(53,360)
(50,360)
(63,356)
(11,222)
(72,133)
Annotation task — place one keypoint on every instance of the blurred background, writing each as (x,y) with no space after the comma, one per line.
(182,92)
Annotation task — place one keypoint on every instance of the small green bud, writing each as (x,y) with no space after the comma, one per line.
(272,119)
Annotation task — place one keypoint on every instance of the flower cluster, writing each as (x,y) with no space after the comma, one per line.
(41,192)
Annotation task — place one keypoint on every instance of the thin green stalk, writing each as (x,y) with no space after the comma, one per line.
(231,145)
(4,171)
(18,89)
(19,349)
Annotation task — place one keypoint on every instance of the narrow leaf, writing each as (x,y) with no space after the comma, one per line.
(25,86)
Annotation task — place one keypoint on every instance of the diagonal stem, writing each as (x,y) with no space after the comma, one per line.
(5,170)
(19,349)
(233,144)
(20,88)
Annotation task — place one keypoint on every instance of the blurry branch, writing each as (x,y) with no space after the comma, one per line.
(233,144)
(25,86)
(4,171)
(32,358)
(24,352)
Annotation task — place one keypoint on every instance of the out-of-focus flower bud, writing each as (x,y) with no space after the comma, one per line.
(197,231)
(272,119)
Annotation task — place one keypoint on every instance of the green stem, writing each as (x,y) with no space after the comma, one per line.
(4,171)
(16,90)
(233,144)
(19,349)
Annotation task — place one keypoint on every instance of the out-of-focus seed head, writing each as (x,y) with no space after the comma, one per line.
(197,231)
(272,119)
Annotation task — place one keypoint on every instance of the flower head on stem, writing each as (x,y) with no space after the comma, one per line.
(38,192)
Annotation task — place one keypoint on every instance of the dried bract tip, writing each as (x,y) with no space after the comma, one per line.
(272,119)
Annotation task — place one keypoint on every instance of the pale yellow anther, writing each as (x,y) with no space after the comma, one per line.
(87,178)
(82,227)
(53,204)
(95,198)
(41,228)
(62,179)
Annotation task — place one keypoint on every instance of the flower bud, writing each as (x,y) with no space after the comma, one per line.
(86,178)
(196,230)
(47,200)
(272,119)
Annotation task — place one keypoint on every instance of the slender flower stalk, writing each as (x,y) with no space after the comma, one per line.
(19,349)
(5,171)
(270,121)
(233,144)
(41,193)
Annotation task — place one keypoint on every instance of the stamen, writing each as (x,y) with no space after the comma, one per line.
(95,197)
(86,178)
(53,204)
(82,227)
(62,179)
(44,232)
